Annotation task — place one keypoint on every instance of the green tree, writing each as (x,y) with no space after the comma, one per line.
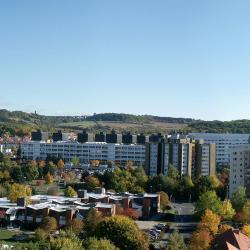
(102,244)
(91,221)
(173,172)
(70,192)
(123,232)
(239,199)
(208,200)
(30,172)
(92,182)
(76,226)
(75,161)
(227,212)
(41,235)
(176,242)
(141,177)
(66,243)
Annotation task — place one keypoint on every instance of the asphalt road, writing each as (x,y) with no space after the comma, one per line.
(183,221)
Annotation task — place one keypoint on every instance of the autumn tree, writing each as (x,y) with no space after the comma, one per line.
(60,164)
(41,235)
(49,224)
(223,228)
(18,191)
(70,192)
(49,178)
(131,213)
(123,232)
(164,200)
(201,240)
(210,221)
(246,230)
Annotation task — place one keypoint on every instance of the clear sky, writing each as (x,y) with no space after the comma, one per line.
(180,58)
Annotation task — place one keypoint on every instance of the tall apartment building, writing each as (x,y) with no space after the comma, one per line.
(84,151)
(240,168)
(192,158)
(224,144)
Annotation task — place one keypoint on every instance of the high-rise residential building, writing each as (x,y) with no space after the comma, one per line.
(224,143)
(190,157)
(240,168)
(39,135)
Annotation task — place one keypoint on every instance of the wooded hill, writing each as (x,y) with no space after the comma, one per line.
(20,123)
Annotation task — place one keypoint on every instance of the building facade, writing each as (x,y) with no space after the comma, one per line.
(84,151)
(240,169)
(224,143)
(192,158)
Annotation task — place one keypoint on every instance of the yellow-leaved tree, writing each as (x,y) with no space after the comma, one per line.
(246,230)
(210,221)
(18,191)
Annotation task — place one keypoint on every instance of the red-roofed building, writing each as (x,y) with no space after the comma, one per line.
(231,240)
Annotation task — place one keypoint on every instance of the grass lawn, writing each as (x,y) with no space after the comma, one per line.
(6,234)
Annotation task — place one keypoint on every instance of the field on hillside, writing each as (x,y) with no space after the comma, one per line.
(123,126)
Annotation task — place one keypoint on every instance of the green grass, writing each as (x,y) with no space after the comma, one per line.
(6,234)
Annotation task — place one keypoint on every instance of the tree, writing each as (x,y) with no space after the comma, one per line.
(246,230)
(75,161)
(208,200)
(30,171)
(41,235)
(102,244)
(176,242)
(201,240)
(141,177)
(227,210)
(60,164)
(49,224)
(18,191)
(92,219)
(164,200)
(92,182)
(246,211)
(49,178)
(210,221)
(17,174)
(239,199)
(223,228)
(123,232)
(76,226)
(70,192)
(173,172)
(66,243)
(215,182)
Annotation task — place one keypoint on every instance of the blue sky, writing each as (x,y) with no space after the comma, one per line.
(167,57)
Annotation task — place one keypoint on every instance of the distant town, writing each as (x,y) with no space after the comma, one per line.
(189,189)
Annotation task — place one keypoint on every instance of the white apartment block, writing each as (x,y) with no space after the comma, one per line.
(224,143)
(84,151)
(240,168)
